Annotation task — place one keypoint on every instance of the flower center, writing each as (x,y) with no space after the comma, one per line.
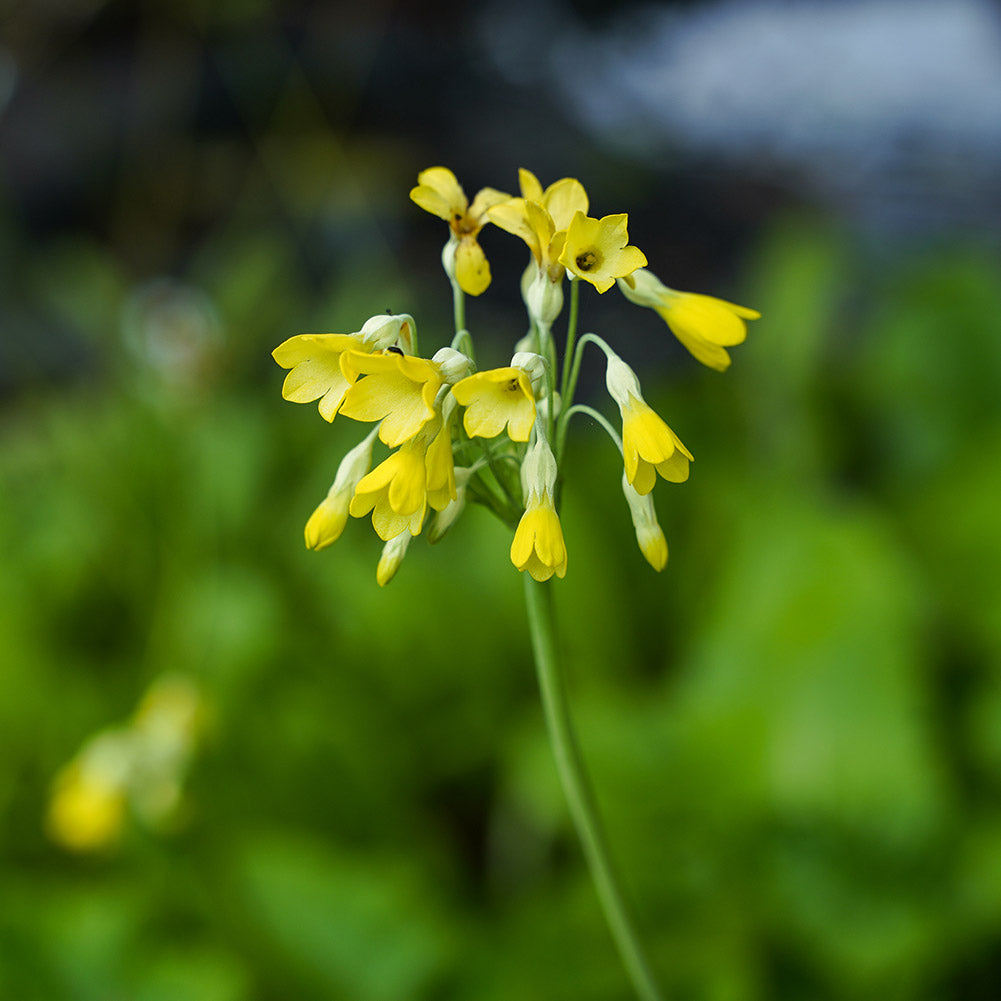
(588,261)
(513,387)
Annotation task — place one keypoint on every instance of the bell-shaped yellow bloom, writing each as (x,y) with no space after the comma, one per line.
(440,465)
(649,534)
(398,390)
(649,446)
(327,522)
(495,399)
(438,191)
(598,250)
(314,360)
(538,545)
(395,492)
(705,325)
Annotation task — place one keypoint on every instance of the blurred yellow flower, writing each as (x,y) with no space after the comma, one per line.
(598,250)
(705,325)
(438,191)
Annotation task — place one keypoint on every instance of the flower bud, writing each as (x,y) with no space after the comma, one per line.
(327,522)
(649,534)
(392,556)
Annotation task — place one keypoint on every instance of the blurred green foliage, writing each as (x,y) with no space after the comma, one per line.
(795,731)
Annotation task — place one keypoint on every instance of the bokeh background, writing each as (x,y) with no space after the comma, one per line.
(795,730)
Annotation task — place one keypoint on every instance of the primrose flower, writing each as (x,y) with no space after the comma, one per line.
(538,545)
(597,250)
(314,360)
(495,399)
(649,534)
(398,390)
(327,522)
(438,191)
(392,556)
(706,326)
(649,446)
(399,490)
(562,199)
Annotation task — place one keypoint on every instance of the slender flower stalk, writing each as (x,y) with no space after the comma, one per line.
(577,789)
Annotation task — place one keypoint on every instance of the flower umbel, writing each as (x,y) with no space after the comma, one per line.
(706,326)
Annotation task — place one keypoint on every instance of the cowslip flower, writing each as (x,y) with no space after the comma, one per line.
(314,360)
(327,522)
(496,399)
(649,534)
(562,199)
(649,446)
(706,326)
(398,390)
(438,191)
(598,250)
(538,545)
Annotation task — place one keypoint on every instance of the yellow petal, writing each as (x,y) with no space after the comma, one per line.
(472,271)
(529,184)
(563,199)
(438,191)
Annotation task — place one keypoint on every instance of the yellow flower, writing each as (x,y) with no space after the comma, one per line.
(87,811)
(395,492)
(706,326)
(497,398)
(649,446)
(538,545)
(327,522)
(597,250)
(438,191)
(314,360)
(391,558)
(398,390)
(649,534)
(400,489)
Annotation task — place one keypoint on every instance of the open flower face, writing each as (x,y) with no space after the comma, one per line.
(495,399)
(705,325)
(315,363)
(398,390)
(597,250)
(438,191)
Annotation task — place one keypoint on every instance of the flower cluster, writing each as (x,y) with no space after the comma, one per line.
(497,436)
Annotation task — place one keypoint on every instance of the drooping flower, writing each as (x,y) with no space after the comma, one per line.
(538,545)
(392,556)
(398,390)
(314,360)
(598,250)
(440,463)
(705,325)
(649,446)
(395,492)
(495,399)
(649,534)
(438,191)
(327,522)
(450,513)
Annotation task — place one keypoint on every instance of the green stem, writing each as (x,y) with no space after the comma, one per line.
(458,307)
(571,335)
(576,788)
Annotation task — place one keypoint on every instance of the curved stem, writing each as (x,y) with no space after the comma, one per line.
(577,789)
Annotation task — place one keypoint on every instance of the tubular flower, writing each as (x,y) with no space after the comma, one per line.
(597,250)
(438,191)
(395,492)
(392,556)
(314,360)
(649,446)
(327,522)
(538,545)
(398,390)
(440,463)
(649,534)
(705,325)
(495,399)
